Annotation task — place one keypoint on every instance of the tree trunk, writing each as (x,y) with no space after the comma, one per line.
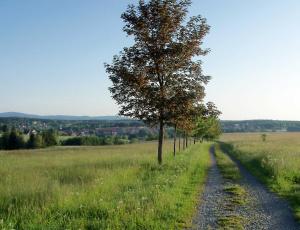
(183,141)
(186,140)
(179,140)
(175,136)
(160,142)
(194,140)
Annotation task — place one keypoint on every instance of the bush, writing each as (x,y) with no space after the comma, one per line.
(35,141)
(91,140)
(12,140)
(72,141)
(94,141)
(108,141)
(120,141)
(49,138)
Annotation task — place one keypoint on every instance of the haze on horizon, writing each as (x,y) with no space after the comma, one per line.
(52,55)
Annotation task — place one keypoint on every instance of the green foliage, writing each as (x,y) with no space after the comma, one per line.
(35,141)
(50,138)
(94,141)
(207,128)
(264,137)
(4,128)
(158,79)
(107,187)
(120,141)
(207,123)
(12,140)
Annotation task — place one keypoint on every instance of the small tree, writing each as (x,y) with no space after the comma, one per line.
(4,140)
(264,137)
(49,138)
(146,76)
(207,125)
(14,140)
(4,128)
(35,141)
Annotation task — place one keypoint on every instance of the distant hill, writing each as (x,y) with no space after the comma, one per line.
(59,117)
(227,126)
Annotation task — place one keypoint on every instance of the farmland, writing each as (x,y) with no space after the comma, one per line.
(108,187)
(275,161)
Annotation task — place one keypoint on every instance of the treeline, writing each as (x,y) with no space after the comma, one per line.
(94,141)
(27,124)
(13,139)
(260,126)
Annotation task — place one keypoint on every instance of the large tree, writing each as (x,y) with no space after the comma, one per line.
(147,76)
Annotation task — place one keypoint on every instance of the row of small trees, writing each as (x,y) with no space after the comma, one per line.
(12,139)
(158,79)
(204,125)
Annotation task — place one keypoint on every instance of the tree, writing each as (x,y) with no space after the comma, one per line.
(4,128)
(35,141)
(264,137)
(15,140)
(49,138)
(207,122)
(148,76)
(3,141)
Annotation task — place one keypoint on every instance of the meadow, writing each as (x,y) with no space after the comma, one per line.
(275,161)
(105,187)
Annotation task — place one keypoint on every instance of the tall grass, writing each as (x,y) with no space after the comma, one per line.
(107,187)
(275,161)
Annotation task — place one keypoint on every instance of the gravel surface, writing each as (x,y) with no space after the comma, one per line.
(264,210)
(211,199)
(274,210)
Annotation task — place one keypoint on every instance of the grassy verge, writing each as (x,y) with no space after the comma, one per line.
(276,170)
(111,187)
(237,195)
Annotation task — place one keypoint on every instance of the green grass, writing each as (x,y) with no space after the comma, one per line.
(107,187)
(276,162)
(237,195)
(227,167)
(231,222)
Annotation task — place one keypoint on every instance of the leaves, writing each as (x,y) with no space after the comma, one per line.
(157,78)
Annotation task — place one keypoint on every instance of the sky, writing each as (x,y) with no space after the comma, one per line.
(52,56)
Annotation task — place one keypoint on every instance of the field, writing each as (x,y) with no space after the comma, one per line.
(107,187)
(275,161)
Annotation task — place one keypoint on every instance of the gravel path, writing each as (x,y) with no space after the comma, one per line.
(263,211)
(212,198)
(274,210)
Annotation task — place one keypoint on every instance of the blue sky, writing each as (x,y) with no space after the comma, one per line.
(52,54)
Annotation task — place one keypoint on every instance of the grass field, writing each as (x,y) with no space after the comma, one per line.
(276,161)
(107,187)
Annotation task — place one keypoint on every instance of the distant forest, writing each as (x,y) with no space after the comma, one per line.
(260,126)
(133,127)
